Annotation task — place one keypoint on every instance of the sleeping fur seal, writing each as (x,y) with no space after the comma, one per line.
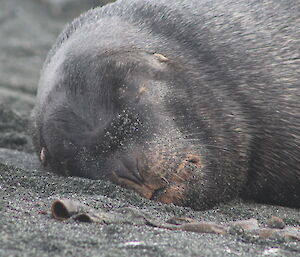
(191,102)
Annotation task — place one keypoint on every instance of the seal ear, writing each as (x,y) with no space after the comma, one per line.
(159,62)
(43,156)
(161,57)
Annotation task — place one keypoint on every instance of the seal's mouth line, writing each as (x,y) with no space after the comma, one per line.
(164,193)
(145,190)
(157,193)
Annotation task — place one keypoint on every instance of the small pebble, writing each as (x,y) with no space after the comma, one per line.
(275,222)
(236,230)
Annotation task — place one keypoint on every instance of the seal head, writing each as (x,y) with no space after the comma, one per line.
(189,103)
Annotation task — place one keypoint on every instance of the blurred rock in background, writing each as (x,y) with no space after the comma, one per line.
(28,28)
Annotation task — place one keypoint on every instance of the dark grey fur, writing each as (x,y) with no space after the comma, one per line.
(230,91)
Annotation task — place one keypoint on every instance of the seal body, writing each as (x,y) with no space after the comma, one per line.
(187,102)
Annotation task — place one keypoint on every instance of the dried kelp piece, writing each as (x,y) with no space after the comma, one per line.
(246,225)
(132,216)
(203,227)
(291,233)
(90,217)
(180,220)
(64,209)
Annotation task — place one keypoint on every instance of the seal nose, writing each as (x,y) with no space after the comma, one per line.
(127,168)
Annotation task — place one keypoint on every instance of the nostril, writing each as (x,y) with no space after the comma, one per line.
(193,158)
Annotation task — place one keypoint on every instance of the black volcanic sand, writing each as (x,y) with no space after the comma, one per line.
(27,30)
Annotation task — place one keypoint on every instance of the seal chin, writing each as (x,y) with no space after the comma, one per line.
(157,178)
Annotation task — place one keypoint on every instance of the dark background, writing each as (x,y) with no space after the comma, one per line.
(28,28)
